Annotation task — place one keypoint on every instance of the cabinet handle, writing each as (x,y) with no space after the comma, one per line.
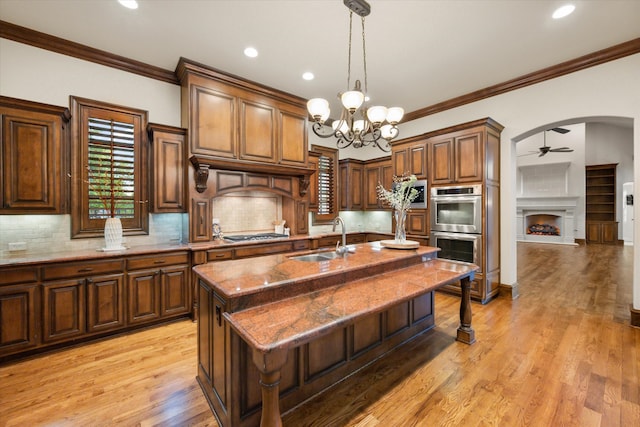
(220,255)
(85,270)
(159,261)
(219,315)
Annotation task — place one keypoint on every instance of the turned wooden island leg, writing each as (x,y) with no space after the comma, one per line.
(269,365)
(466,334)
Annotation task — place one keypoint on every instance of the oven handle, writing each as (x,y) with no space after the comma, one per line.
(458,236)
(448,199)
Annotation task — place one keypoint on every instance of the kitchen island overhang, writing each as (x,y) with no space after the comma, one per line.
(281,318)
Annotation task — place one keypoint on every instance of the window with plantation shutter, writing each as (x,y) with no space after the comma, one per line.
(109,143)
(327,184)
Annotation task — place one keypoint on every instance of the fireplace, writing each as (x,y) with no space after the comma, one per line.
(546,219)
(543,224)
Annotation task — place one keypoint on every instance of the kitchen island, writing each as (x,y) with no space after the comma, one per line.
(276,330)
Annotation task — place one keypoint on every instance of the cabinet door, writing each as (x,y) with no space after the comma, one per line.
(105,302)
(257,132)
(176,295)
(593,232)
(64,310)
(351,183)
(293,135)
(418,160)
(144,296)
(19,312)
(168,168)
(213,122)
(400,160)
(468,158)
(218,350)
(372,178)
(417,222)
(610,233)
(32,161)
(442,161)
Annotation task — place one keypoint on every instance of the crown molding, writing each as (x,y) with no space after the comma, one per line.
(596,58)
(66,47)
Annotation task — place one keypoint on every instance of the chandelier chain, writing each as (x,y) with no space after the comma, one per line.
(364,58)
(349,62)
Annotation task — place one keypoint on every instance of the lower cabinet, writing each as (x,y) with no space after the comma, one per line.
(19,318)
(64,309)
(231,381)
(602,232)
(69,301)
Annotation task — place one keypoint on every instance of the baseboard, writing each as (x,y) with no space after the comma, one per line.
(509,291)
(635,316)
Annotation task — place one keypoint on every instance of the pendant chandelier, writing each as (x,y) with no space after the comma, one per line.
(358,125)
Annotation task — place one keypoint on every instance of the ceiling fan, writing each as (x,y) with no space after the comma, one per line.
(546,149)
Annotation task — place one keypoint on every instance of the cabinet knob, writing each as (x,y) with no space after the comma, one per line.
(159,261)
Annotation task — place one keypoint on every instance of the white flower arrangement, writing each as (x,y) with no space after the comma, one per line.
(401,194)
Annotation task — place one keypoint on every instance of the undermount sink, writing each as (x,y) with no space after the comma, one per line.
(317,257)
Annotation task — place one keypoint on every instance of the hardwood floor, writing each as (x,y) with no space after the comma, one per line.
(563,354)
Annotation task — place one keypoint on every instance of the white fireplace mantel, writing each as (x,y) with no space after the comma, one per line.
(562,206)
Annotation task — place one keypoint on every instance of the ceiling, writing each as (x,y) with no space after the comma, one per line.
(419,53)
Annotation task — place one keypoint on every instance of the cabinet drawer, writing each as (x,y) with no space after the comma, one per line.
(323,242)
(219,254)
(18,275)
(157,260)
(88,268)
(299,245)
(274,248)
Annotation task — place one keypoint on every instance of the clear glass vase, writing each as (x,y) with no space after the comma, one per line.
(400,217)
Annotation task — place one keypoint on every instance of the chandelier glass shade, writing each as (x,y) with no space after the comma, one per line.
(359,125)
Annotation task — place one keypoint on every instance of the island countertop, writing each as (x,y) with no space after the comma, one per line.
(247,282)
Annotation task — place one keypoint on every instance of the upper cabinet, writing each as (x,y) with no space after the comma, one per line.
(32,154)
(409,157)
(351,185)
(241,121)
(167,168)
(376,172)
(466,153)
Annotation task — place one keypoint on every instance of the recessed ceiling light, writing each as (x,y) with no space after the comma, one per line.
(308,75)
(563,11)
(251,52)
(129,4)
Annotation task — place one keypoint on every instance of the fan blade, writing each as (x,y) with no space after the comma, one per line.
(561,150)
(560,130)
(528,154)
(542,153)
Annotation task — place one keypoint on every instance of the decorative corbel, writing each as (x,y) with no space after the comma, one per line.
(304,185)
(201,174)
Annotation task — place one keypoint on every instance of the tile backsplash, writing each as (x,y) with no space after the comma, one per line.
(52,233)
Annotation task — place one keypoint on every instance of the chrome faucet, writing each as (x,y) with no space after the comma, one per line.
(341,250)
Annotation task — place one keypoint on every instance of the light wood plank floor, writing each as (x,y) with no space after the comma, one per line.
(563,354)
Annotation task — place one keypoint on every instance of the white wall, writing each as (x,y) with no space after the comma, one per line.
(611,89)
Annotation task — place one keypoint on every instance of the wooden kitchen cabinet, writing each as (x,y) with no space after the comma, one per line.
(457,157)
(410,157)
(167,168)
(240,120)
(158,286)
(19,310)
(33,156)
(105,302)
(64,310)
(350,185)
(376,172)
(67,312)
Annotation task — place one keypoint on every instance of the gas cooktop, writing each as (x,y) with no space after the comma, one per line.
(251,237)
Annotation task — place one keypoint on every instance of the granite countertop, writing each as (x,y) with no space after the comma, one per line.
(293,321)
(22,259)
(251,281)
